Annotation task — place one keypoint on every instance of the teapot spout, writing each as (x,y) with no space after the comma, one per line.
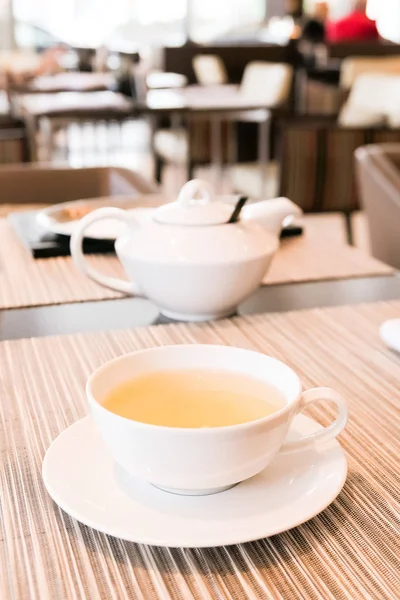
(272,214)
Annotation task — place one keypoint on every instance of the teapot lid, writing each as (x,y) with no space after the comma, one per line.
(195,206)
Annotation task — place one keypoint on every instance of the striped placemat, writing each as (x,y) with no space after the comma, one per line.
(350,551)
(320,254)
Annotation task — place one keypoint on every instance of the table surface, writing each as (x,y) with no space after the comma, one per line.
(40,104)
(69,82)
(196,98)
(316,255)
(192,99)
(159,80)
(351,550)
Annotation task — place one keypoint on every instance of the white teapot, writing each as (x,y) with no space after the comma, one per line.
(186,258)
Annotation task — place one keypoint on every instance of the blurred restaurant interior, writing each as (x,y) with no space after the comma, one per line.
(187,172)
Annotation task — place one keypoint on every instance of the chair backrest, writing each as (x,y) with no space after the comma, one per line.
(32,184)
(378,174)
(209,69)
(374,100)
(268,83)
(354,66)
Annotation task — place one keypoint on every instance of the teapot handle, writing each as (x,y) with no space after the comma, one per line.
(193,188)
(120,285)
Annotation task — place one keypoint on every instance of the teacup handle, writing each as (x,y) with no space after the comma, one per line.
(120,285)
(328,433)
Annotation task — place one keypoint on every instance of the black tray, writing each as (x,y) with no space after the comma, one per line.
(43,244)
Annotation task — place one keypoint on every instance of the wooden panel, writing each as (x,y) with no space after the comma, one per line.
(343,50)
(235,57)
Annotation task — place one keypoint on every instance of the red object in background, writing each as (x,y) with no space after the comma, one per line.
(355,27)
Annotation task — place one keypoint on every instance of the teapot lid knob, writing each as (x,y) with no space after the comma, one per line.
(196,205)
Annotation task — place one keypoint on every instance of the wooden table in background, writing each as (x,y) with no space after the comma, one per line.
(214,105)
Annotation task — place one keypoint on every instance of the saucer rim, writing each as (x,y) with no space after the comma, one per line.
(153,541)
(388,339)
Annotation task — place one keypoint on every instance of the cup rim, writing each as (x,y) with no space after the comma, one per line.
(189,430)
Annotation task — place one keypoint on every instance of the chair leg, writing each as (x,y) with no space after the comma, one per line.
(190,170)
(32,133)
(46,132)
(159,165)
(349,229)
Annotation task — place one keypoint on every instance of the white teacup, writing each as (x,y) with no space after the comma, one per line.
(204,460)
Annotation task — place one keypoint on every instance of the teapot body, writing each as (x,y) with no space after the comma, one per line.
(197,273)
(193,258)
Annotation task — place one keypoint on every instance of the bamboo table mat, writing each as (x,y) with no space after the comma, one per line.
(319,254)
(350,551)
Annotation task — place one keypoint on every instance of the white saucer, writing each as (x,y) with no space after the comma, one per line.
(83,480)
(390,334)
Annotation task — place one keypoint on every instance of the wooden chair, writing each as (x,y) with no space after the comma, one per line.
(45,184)
(14,145)
(378,170)
(319,97)
(267,84)
(354,66)
(316,169)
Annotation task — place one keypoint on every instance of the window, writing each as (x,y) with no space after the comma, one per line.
(95,22)
(210,19)
(78,22)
